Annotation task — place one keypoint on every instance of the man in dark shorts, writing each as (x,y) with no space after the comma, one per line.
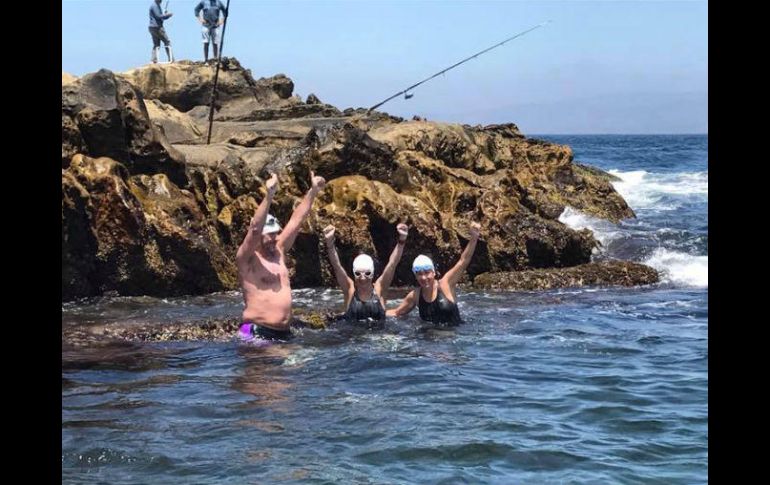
(158,33)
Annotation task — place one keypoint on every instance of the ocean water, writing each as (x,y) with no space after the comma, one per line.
(589,385)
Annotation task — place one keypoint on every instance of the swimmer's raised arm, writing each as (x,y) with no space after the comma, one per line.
(289,234)
(253,237)
(455,273)
(383,282)
(343,280)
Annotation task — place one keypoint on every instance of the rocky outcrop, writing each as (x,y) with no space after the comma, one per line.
(108,118)
(176,126)
(543,174)
(148,208)
(605,273)
(185,84)
(135,235)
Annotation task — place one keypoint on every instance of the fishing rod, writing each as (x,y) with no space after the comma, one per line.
(216,73)
(165,9)
(408,95)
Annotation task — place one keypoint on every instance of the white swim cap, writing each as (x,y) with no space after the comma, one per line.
(422,263)
(363,263)
(271,225)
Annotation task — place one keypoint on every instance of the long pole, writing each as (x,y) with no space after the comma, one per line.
(457,64)
(216,73)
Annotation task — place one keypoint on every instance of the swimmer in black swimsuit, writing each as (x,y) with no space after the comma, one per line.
(436,299)
(364,300)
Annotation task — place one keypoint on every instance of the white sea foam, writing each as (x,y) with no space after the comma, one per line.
(603,230)
(680,268)
(645,190)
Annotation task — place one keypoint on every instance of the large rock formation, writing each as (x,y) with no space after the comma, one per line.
(148,208)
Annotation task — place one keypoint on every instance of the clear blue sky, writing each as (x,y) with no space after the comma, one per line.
(599,67)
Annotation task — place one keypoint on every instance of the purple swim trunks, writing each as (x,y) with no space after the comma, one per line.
(251,332)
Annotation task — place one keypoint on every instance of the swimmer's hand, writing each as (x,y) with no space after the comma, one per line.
(402,230)
(475,230)
(329,234)
(271,184)
(317,182)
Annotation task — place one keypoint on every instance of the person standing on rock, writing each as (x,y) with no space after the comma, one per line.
(261,263)
(437,299)
(365,300)
(158,33)
(211,21)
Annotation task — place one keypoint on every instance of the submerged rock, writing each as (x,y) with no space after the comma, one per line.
(606,273)
(216,330)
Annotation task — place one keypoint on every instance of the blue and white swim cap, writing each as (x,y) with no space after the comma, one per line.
(422,263)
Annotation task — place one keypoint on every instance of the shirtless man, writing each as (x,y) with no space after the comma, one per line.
(262,271)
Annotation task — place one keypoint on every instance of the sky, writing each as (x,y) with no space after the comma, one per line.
(599,67)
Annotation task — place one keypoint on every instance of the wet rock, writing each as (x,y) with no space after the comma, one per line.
(211,330)
(606,273)
(135,235)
